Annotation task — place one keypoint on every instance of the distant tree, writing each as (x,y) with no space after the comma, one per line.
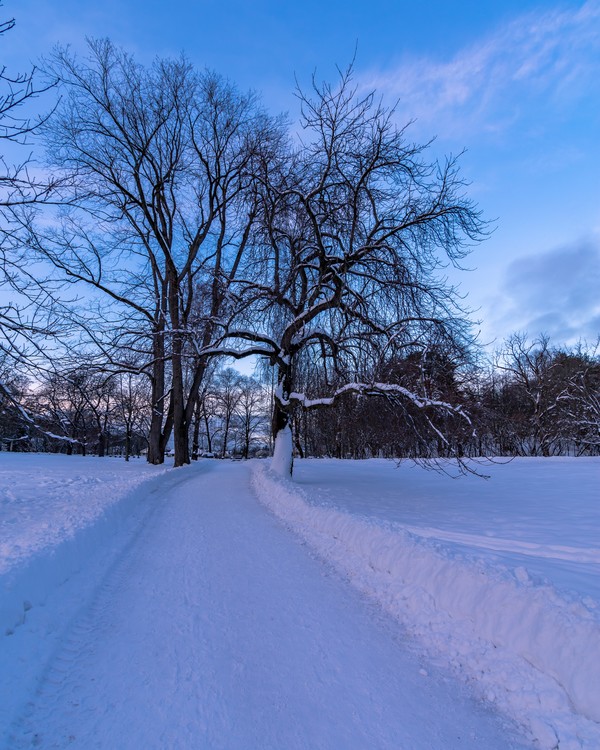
(579,401)
(250,412)
(14,429)
(531,392)
(209,419)
(227,396)
(61,402)
(99,392)
(131,411)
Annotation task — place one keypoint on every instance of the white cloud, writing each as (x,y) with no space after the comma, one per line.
(554,55)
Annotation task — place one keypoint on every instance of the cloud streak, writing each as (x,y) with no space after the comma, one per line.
(554,56)
(555,293)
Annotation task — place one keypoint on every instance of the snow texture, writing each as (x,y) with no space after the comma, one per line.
(281,463)
(45,499)
(532,652)
(196,620)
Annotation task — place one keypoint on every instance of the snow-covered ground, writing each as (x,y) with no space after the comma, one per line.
(46,499)
(498,578)
(148,607)
(539,515)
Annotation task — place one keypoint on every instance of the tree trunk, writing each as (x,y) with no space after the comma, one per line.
(225,435)
(208,434)
(196,437)
(246,449)
(127,441)
(181,436)
(180,428)
(156,453)
(283,447)
(180,424)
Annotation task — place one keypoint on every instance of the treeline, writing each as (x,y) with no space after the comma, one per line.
(530,399)
(83,411)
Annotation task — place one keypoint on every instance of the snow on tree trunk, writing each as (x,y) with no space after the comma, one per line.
(282,461)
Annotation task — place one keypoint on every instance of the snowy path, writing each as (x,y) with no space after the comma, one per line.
(217,629)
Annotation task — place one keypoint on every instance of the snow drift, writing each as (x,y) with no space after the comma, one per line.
(533,654)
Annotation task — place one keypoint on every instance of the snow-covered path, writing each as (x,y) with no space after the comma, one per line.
(218,629)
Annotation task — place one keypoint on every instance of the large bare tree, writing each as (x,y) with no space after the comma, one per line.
(356,223)
(161,210)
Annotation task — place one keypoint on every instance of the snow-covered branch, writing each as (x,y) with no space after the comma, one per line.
(372,389)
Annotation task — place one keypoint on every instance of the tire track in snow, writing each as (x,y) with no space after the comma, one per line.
(60,682)
(216,629)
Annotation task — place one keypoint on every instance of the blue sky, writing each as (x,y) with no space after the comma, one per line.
(517,84)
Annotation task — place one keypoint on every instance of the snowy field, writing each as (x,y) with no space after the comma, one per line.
(165,607)
(46,499)
(535,517)
(499,578)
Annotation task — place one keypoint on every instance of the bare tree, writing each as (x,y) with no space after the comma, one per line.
(355,224)
(159,161)
(14,430)
(61,402)
(131,408)
(251,412)
(227,396)
(534,390)
(579,400)
(27,315)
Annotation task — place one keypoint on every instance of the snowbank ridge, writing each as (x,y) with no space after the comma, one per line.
(532,654)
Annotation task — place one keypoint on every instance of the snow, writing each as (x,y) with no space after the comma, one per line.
(151,607)
(372,389)
(63,520)
(529,642)
(45,499)
(541,514)
(283,452)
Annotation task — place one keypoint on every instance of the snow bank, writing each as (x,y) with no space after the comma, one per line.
(527,650)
